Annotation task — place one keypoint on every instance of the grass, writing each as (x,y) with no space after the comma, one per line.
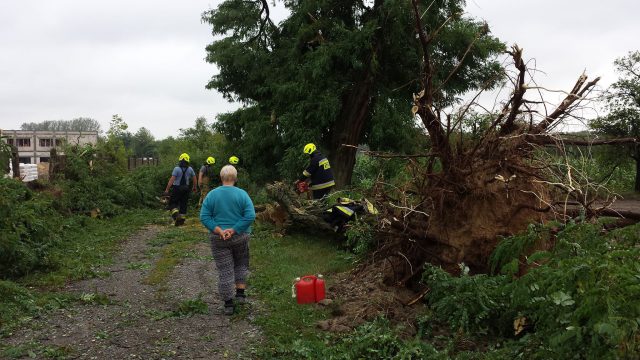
(173,246)
(33,349)
(275,263)
(87,244)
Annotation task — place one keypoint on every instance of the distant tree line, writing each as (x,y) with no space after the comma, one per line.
(77,124)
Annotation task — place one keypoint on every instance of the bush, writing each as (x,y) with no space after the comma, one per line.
(28,228)
(360,237)
(31,222)
(578,300)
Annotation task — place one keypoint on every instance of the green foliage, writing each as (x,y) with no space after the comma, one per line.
(327,59)
(360,237)
(578,298)
(5,157)
(478,304)
(377,340)
(192,307)
(143,144)
(93,183)
(623,104)
(511,249)
(94,178)
(29,227)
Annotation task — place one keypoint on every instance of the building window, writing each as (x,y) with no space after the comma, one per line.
(24,143)
(46,142)
(58,142)
(10,141)
(44,159)
(24,160)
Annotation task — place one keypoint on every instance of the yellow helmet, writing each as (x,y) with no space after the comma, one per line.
(211,160)
(185,157)
(234,160)
(309,148)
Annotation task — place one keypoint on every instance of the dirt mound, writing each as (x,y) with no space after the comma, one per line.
(364,294)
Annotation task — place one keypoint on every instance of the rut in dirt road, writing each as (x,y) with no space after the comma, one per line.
(125,317)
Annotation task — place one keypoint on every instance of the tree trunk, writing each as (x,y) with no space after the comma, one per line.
(354,114)
(348,128)
(636,157)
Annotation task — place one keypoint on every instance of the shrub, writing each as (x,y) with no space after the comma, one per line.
(28,228)
(582,301)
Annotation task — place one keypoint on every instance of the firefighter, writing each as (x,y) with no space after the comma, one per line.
(181,176)
(242,173)
(206,178)
(318,172)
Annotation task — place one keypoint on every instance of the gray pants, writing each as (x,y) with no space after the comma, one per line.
(232,261)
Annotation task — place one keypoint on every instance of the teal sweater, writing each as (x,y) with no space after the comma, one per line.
(228,207)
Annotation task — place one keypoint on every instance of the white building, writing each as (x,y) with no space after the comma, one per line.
(35,146)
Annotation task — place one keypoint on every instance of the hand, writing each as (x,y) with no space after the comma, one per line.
(227,234)
(166,193)
(195,190)
(218,231)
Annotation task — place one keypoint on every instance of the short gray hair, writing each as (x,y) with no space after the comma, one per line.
(228,173)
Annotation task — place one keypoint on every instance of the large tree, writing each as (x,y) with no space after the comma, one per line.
(337,72)
(143,143)
(623,103)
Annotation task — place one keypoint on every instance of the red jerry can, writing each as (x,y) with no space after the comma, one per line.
(306,289)
(320,292)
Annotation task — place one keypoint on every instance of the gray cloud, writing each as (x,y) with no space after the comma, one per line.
(143,59)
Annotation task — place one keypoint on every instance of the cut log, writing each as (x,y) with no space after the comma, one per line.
(303,214)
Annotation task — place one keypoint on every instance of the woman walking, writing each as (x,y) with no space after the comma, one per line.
(228,213)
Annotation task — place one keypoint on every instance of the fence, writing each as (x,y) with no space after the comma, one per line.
(134,163)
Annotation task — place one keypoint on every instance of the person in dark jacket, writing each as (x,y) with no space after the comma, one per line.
(181,177)
(318,172)
(206,178)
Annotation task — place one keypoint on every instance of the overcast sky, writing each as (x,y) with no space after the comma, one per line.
(144,59)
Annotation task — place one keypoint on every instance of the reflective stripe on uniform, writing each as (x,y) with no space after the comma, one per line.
(345,210)
(306,173)
(324,163)
(323,185)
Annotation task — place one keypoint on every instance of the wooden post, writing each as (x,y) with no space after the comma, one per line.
(15,161)
(53,163)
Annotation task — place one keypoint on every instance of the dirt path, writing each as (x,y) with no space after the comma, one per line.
(121,317)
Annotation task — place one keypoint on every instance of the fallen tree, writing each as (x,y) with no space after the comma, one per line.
(467,192)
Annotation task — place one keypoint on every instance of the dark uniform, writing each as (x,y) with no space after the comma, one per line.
(208,181)
(321,175)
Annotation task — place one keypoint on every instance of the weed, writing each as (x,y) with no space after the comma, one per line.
(185,308)
(96,299)
(139,266)
(192,307)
